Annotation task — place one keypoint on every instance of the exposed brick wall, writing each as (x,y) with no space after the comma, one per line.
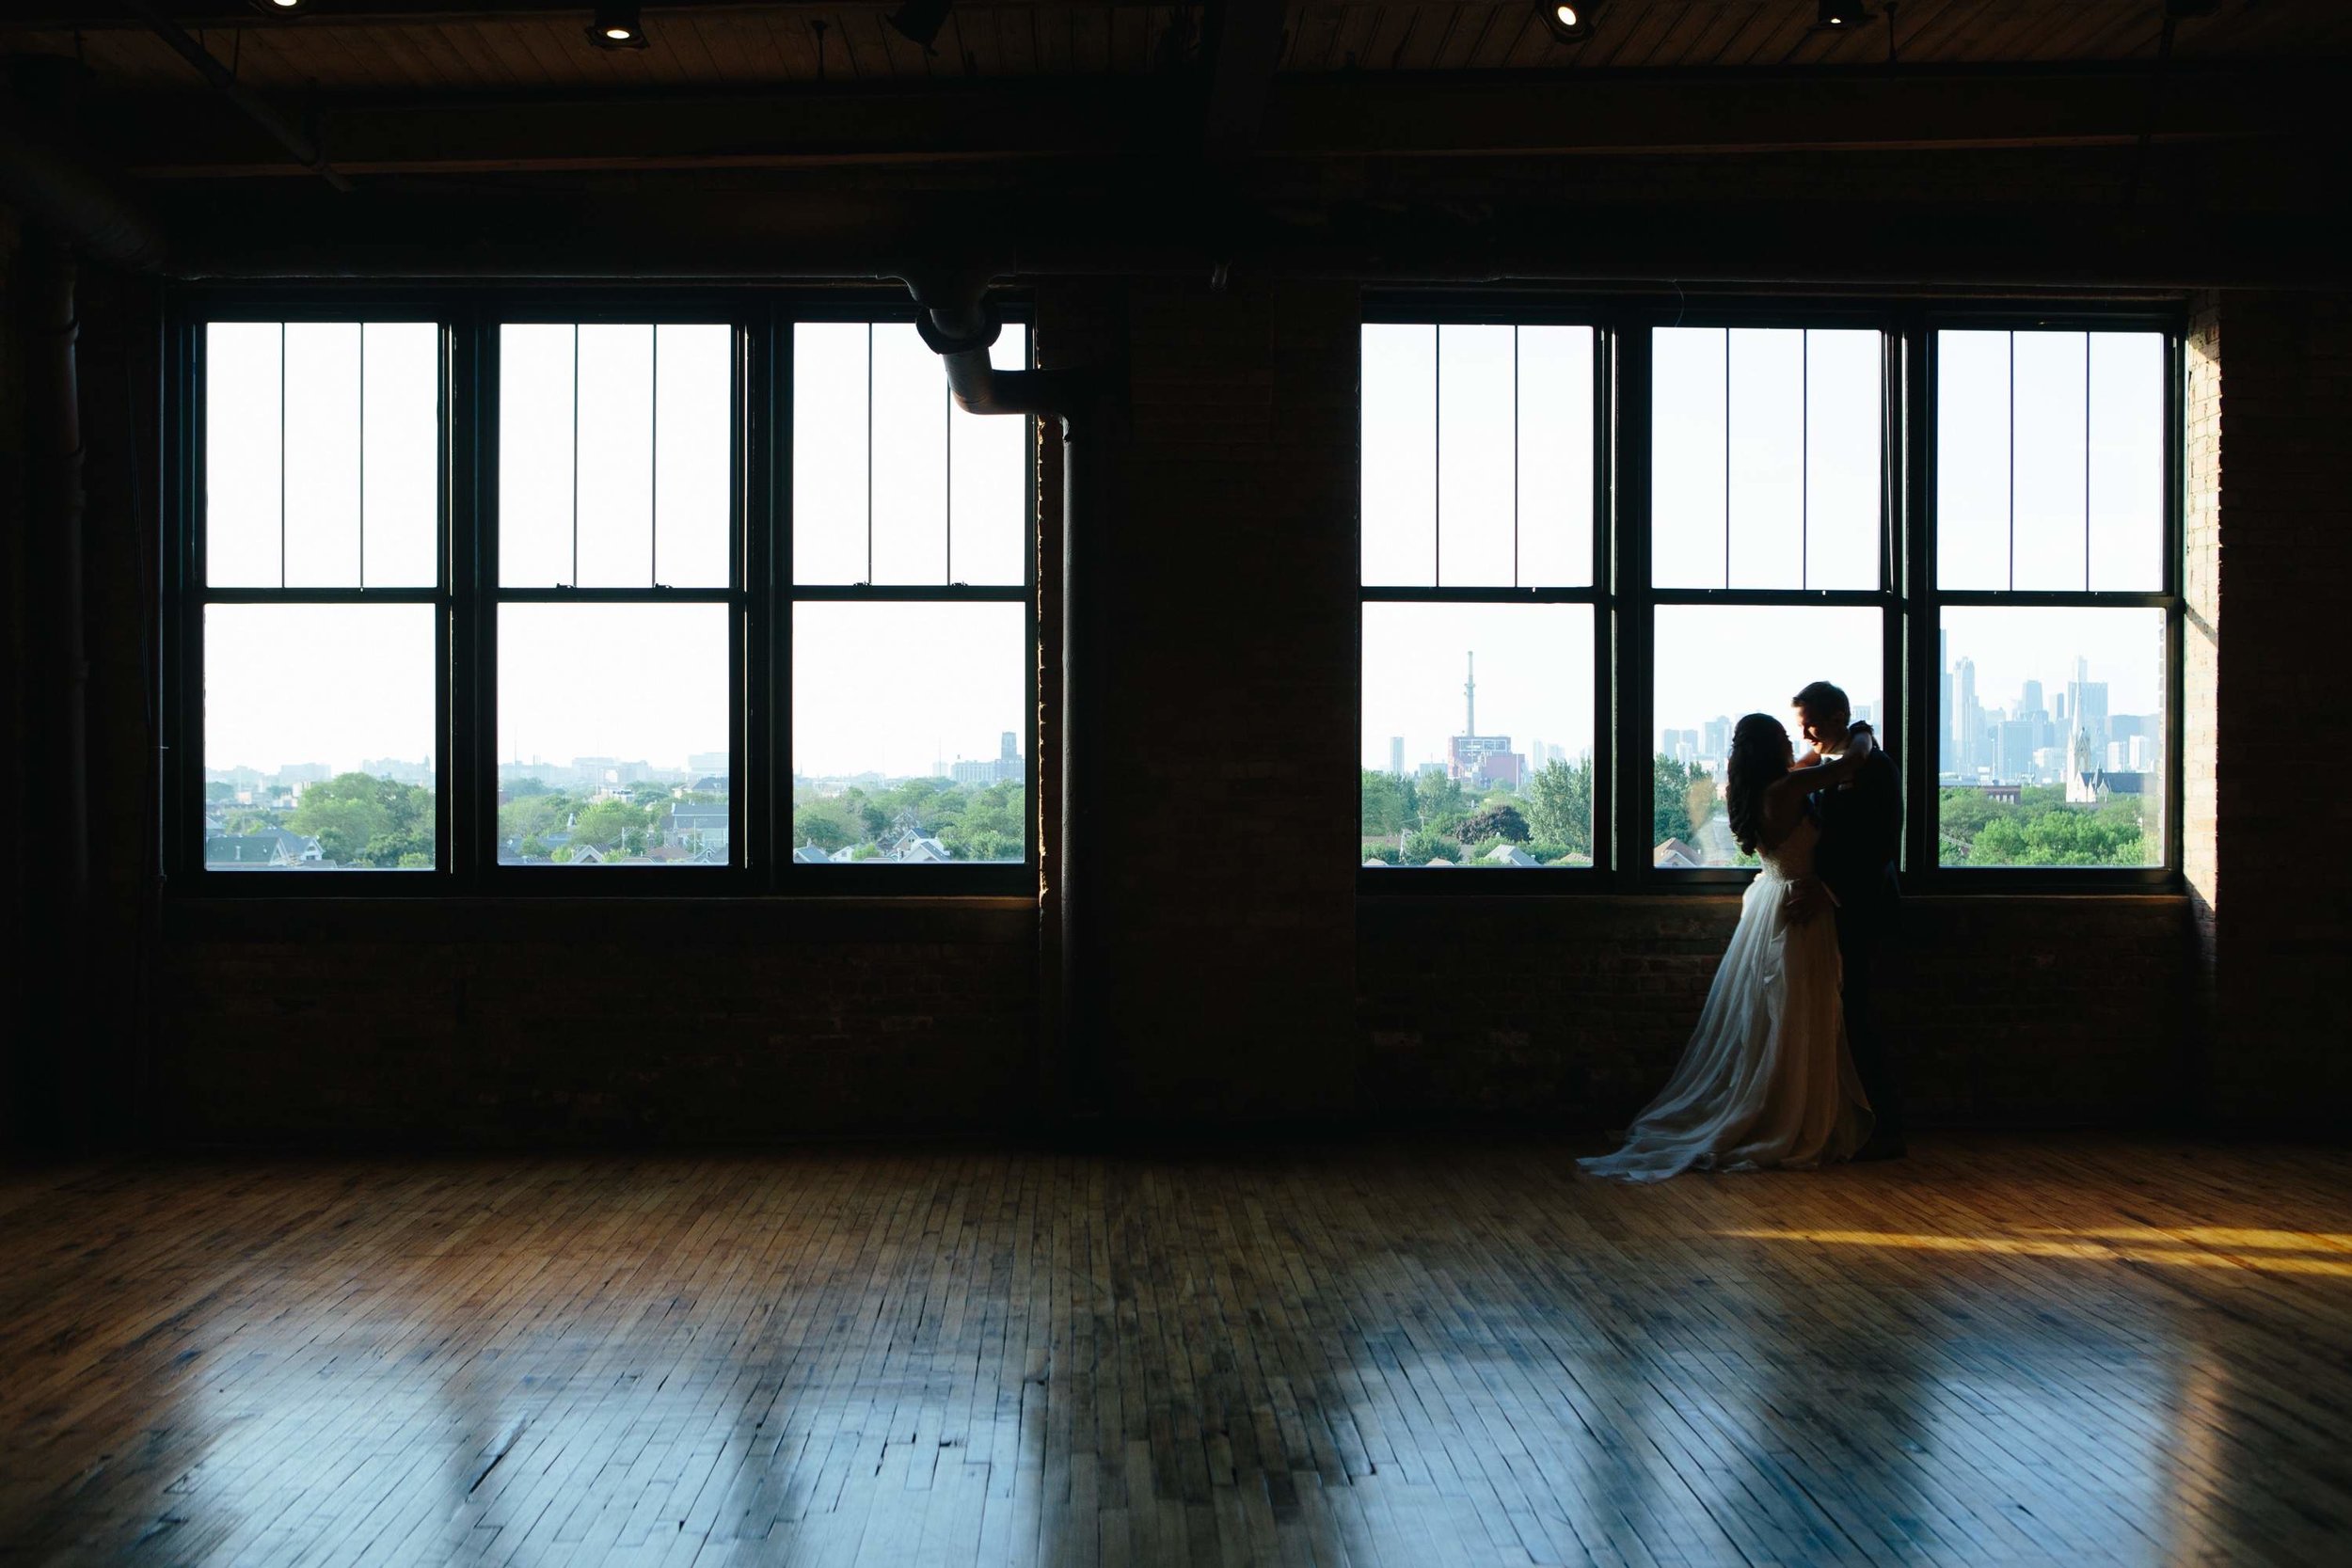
(1246,982)
(1571,1012)
(1226,823)
(576,1022)
(2270,534)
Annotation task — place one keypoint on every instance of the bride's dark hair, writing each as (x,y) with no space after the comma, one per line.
(1760,758)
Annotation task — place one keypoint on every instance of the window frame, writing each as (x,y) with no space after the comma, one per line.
(1909,601)
(1922,864)
(469,594)
(1391,881)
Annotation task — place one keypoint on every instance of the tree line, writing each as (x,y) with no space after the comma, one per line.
(2039,828)
(1550,818)
(972,822)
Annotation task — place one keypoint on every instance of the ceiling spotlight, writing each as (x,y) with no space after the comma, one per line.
(918,22)
(1838,13)
(618,26)
(279,8)
(1569,24)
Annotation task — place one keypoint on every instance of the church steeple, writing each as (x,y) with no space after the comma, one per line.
(1470,698)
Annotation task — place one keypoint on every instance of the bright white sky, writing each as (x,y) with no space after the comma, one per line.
(625,431)
(1765,474)
(1477,471)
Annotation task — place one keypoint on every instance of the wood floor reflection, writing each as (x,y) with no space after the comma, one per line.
(2004,1350)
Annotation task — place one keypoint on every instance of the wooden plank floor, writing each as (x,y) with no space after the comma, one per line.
(2002,1350)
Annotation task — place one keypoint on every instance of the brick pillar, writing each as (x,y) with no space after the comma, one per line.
(1230,714)
(2268,751)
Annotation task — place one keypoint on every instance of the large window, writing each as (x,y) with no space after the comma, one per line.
(616,595)
(1674,521)
(500,593)
(1479,630)
(311,597)
(2055,624)
(910,670)
(1767,489)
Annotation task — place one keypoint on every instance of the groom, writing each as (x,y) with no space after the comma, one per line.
(1862,826)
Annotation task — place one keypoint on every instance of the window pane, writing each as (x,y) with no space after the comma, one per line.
(1555,424)
(318,737)
(614,504)
(1718,663)
(990,457)
(536,437)
(910,475)
(1844,457)
(1688,426)
(243,440)
(1475,466)
(907,732)
(400,439)
(1767,458)
(830,404)
(613,737)
(1477,734)
(1399,455)
(693,454)
(2056,724)
(323,454)
(2127,462)
(2050,440)
(1971,434)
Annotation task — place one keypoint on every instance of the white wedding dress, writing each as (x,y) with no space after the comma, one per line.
(1766,1081)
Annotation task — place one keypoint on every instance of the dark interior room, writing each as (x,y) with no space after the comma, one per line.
(678,684)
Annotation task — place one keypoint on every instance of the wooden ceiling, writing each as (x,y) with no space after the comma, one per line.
(402,49)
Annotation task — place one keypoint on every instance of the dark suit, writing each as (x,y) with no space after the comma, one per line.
(1862,830)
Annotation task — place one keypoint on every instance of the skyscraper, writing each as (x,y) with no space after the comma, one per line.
(2086,708)
(1945,761)
(1397,756)
(1967,719)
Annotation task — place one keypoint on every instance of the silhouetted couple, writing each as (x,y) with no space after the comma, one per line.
(1785,1068)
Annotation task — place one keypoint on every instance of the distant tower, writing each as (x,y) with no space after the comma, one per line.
(1967,716)
(1010,751)
(1470,698)
(1396,755)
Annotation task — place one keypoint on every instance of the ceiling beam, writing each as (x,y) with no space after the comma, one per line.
(675,232)
(102,16)
(1244,51)
(1304,117)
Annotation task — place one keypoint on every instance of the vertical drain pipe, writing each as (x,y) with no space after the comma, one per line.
(58,501)
(957,326)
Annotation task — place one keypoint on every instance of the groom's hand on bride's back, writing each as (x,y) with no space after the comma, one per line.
(1805,901)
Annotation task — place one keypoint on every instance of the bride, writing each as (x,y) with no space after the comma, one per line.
(1765,1080)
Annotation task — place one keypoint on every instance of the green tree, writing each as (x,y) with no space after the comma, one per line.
(1387,804)
(821,823)
(1425,846)
(360,819)
(1670,800)
(1560,806)
(608,824)
(1498,822)
(524,788)
(217,791)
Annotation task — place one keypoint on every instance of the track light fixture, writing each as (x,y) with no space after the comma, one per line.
(1570,21)
(618,26)
(918,22)
(1838,13)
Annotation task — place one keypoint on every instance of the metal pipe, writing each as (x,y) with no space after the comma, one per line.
(306,152)
(59,505)
(63,196)
(957,326)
